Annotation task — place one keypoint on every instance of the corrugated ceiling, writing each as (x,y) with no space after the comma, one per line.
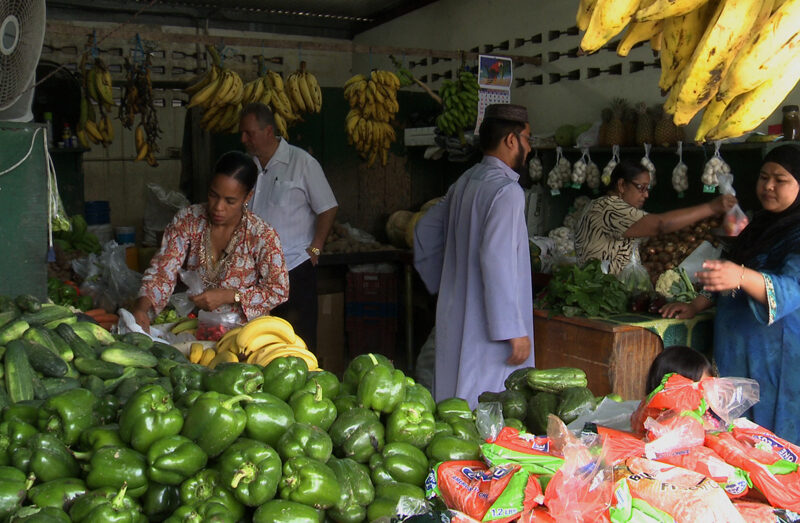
(324,18)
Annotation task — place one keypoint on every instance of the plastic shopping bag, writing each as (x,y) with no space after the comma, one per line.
(735,220)
(212,326)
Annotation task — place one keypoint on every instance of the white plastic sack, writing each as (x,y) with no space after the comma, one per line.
(159,208)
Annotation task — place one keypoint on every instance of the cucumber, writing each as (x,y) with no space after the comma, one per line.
(92,333)
(62,347)
(28,303)
(46,361)
(80,348)
(13,330)
(102,369)
(7,316)
(137,339)
(55,386)
(51,325)
(556,380)
(19,373)
(47,314)
(40,336)
(162,350)
(129,357)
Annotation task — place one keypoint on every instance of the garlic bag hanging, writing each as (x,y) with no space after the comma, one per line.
(680,177)
(647,164)
(606,176)
(713,169)
(735,220)
(579,171)
(560,174)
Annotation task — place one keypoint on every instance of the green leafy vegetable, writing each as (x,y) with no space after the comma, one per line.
(583,291)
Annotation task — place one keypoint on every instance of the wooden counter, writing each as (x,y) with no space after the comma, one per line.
(615,357)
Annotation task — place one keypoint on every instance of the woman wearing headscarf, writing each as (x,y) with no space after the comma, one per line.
(757,326)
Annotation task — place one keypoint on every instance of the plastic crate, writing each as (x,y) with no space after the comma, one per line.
(380,287)
(366,335)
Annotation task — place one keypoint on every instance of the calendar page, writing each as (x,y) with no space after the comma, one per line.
(495,75)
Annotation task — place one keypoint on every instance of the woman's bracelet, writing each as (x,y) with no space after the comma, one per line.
(741,279)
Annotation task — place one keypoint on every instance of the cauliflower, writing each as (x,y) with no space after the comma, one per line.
(675,285)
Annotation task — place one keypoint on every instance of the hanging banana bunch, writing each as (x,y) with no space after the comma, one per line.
(95,126)
(305,94)
(137,98)
(732,58)
(270,90)
(219,92)
(373,104)
(460,104)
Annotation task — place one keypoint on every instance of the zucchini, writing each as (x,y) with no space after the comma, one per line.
(556,380)
(80,348)
(7,316)
(102,369)
(574,401)
(92,333)
(129,357)
(19,373)
(28,303)
(43,360)
(137,339)
(54,386)
(13,330)
(540,405)
(47,314)
(162,350)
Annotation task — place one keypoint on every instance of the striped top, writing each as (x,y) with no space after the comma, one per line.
(601,232)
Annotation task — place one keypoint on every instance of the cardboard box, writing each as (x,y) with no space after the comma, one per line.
(330,332)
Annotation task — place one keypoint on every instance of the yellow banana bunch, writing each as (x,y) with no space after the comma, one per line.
(266,355)
(373,104)
(639,32)
(221,93)
(95,126)
(661,9)
(305,95)
(609,17)
(681,34)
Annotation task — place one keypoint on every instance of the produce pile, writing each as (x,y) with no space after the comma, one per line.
(666,251)
(731,57)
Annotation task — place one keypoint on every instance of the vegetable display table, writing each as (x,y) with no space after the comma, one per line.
(616,352)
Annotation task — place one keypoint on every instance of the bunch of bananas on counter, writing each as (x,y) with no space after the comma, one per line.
(373,104)
(460,104)
(271,90)
(260,341)
(733,58)
(220,93)
(137,98)
(95,126)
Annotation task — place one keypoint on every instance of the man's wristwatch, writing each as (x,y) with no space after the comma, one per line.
(237,298)
(314,251)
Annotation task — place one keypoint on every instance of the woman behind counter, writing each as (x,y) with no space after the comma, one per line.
(236,253)
(608,227)
(757,326)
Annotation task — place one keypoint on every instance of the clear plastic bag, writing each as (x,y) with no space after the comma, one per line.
(212,326)
(634,276)
(159,209)
(489,420)
(729,398)
(107,278)
(735,220)
(180,300)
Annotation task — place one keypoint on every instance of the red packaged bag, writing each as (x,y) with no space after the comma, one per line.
(619,445)
(705,461)
(497,494)
(532,452)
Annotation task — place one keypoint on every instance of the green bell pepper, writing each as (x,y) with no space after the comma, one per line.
(442,427)
(186,377)
(358,367)
(68,414)
(301,439)
(345,403)
(100,436)
(93,384)
(34,514)
(453,407)
(252,470)
(281,510)
(209,511)
(108,407)
(25,411)
(452,448)
(160,501)
(149,415)
(357,434)
(172,459)
(410,423)
(206,485)
(234,378)
(387,497)
(13,490)
(284,376)
(310,482)
(58,493)
(268,417)
(464,429)
(420,394)
(331,386)
(13,434)
(313,408)
(106,505)
(187,399)
(214,421)
(46,457)
(399,463)
(382,389)
(165,365)
(514,423)
(357,491)
(117,466)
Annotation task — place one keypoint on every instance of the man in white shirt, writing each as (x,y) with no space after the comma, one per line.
(293,196)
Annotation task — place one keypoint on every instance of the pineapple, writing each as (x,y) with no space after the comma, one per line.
(605,115)
(666,132)
(644,125)
(615,130)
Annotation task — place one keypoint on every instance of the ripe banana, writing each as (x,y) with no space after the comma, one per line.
(711,117)
(224,356)
(262,340)
(699,81)
(195,352)
(139,136)
(93,132)
(772,48)
(296,98)
(204,94)
(276,81)
(373,104)
(661,9)
(638,32)
(316,91)
(265,325)
(143,152)
(305,92)
(208,356)
(749,109)
(681,34)
(609,17)
(584,14)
